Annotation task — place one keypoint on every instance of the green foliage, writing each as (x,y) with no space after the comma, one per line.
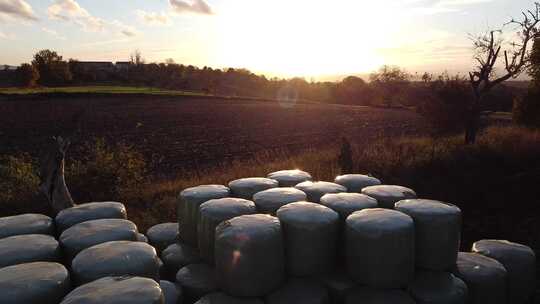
(52,69)
(18,181)
(27,75)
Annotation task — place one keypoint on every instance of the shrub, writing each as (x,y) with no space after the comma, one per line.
(18,183)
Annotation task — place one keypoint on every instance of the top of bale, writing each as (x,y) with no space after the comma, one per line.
(290,178)
(272,199)
(30,223)
(307,214)
(478,267)
(347,203)
(89,211)
(499,249)
(203,193)
(247,187)
(377,220)
(224,207)
(427,208)
(388,195)
(356,182)
(315,190)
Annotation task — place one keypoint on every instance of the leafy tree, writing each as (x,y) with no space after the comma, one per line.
(27,75)
(526,109)
(390,84)
(52,69)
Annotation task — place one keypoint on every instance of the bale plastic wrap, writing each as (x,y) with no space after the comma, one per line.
(187,208)
(485,278)
(142,238)
(315,190)
(246,187)
(177,256)
(347,203)
(29,223)
(388,195)
(356,182)
(520,263)
(249,255)
(290,178)
(211,214)
(222,298)
(300,291)
(117,290)
(197,280)
(28,248)
(437,287)
(90,233)
(380,248)
(311,233)
(116,258)
(366,295)
(339,284)
(162,235)
(87,212)
(172,292)
(269,201)
(34,283)
(438,231)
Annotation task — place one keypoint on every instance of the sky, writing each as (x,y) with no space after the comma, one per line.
(284,38)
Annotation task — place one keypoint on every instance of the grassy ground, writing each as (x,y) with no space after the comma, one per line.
(98,89)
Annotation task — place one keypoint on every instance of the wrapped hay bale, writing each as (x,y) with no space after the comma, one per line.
(311,232)
(249,255)
(177,256)
(339,284)
(299,291)
(388,195)
(222,298)
(315,190)
(366,295)
(187,208)
(380,248)
(269,201)
(87,212)
(519,262)
(485,278)
(116,290)
(197,280)
(290,178)
(246,187)
(142,238)
(29,223)
(28,248)
(430,287)
(438,231)
(116,258)
(356,182)
(171,292)
(162,235)
(211,214)
(347,203)
(34,283)
(90,233)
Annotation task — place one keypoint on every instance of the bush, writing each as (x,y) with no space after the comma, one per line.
(27,75)
(526,110)
(19,183)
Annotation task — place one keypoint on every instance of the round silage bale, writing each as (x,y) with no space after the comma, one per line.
(197,280)
(89,211)
(315,190)
(519,262)
(437,287)
(177,256)
(380,248)
(142,238)
(246,187)
(347,203)
(116,290)
(290,178)
(388,195)
(171,292)
(269,201)
(222,298)
(485,278)
(211,214)
(249,255)
(29,223)
(162,235)
(115,258)
(366,295)
(438,232)
(299,291)
(34,283)
(90,233)
(339,284)
(311,232)
(356,182)
(28,248)
(187,208)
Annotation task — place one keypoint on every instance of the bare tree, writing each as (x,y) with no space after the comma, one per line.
(489,48)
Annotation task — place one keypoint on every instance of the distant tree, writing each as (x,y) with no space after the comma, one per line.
(27,75)
(136,57)
(52,69)
(526,110)
(352,90)
(390,84)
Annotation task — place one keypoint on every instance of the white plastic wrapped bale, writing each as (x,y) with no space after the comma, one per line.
(162,235)
(315,190)
(28,248)
(339,284)
(356,182)
(269,201)
(197,280)
(187,208)
(290,178)
(90,233)
(117,290)
(246,187)
(116,258)
(520,263)
(366,295)
(177,256)
(436,287)
(311,233)
(380,248)
(299,291)
(347,203)
(222,298)
(485,278)
(142,238)
(29,223)
(34,283)
(388,195)
(87,212)
(438,230)
(211,214)
(249,255)
(172,292)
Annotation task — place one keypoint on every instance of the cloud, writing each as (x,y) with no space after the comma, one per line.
(124,29)
(16,9)
(153,18)
(431,7)
(53,33)
(191,6)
